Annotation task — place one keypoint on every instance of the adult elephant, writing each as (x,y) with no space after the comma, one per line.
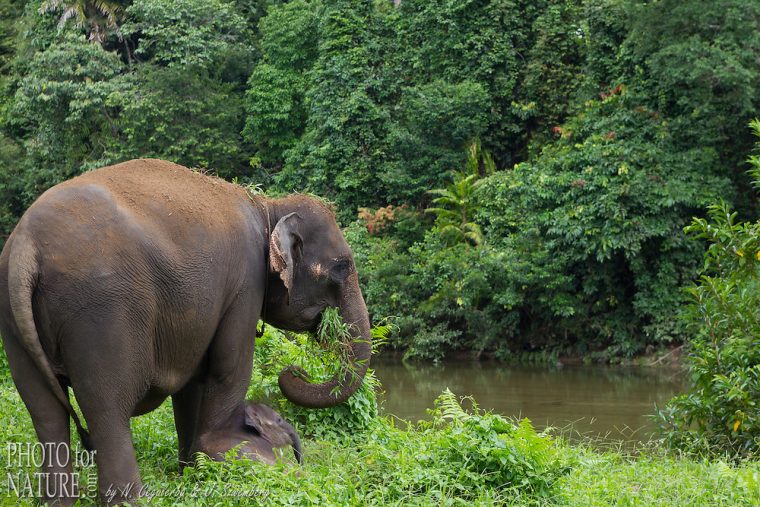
(144,280)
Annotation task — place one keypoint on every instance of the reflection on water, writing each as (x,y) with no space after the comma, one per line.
(597,400)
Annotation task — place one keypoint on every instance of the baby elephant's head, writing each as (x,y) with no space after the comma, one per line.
(272,428)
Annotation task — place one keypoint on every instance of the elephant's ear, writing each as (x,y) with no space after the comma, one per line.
(267,423)
(285,247)
(253,419)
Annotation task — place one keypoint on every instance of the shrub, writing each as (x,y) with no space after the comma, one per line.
(487,450)
(578,251)
(595,221)
(722,411)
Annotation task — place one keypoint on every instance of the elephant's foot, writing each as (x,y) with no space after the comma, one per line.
(118,476)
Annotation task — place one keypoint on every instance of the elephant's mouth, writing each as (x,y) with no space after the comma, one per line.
(316,321)
(308,321)
(313,317)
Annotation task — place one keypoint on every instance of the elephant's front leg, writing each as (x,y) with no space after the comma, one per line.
(230,362)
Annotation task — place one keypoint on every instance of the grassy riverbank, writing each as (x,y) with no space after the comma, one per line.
(392,467)
(423,464)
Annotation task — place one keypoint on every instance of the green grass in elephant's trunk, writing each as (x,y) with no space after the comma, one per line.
(320,356)
(334,335)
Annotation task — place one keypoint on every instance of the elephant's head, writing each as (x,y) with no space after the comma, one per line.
(256,436)
(311,268)
(273,428)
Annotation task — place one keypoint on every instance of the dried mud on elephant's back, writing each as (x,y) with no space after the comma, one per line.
(169,187)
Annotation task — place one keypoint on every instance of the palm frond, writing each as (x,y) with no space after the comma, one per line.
(99,16)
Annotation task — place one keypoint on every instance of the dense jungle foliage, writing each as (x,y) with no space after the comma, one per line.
(514,175)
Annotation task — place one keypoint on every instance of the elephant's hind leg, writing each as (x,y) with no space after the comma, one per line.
(109,384)
(51,423)
(118,475)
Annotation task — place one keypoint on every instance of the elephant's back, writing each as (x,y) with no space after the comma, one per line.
(127,213)
(146,244)
(159,201)
(147,186)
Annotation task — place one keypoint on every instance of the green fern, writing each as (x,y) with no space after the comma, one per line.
(449,407)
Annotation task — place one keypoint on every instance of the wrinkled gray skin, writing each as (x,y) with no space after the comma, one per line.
(145,280)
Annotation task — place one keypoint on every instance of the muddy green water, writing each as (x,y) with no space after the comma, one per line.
(593,401)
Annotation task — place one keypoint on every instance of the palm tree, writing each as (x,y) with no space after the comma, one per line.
(98,17)
(455,205)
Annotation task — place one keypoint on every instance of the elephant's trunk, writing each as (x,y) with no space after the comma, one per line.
(295,441)
(337,390)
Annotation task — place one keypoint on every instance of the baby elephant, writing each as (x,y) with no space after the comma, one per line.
(261,431)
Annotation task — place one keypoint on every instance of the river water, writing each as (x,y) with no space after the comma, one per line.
(579,401)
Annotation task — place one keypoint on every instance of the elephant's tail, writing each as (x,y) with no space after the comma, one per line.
(23,273)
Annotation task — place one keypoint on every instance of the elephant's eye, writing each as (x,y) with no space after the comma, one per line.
(340,270)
